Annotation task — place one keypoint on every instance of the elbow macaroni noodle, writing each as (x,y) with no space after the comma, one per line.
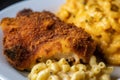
(61,70)
(101,19)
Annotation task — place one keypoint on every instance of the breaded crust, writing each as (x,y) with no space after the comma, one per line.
(33,37)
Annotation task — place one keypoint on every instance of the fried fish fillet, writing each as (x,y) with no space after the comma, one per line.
(33,37)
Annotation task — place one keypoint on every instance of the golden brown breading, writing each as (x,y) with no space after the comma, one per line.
(33,37)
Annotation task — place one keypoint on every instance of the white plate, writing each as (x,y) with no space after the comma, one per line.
(7,72)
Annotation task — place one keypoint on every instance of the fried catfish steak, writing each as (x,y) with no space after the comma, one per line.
(33,37)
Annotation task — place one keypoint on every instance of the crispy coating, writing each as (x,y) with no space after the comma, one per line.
(33,37)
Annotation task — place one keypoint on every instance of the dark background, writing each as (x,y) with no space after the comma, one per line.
(6,3)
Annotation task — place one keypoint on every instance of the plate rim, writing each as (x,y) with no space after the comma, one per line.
(12,5)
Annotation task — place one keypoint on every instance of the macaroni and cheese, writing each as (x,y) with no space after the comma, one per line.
(61,70)
(101,19)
